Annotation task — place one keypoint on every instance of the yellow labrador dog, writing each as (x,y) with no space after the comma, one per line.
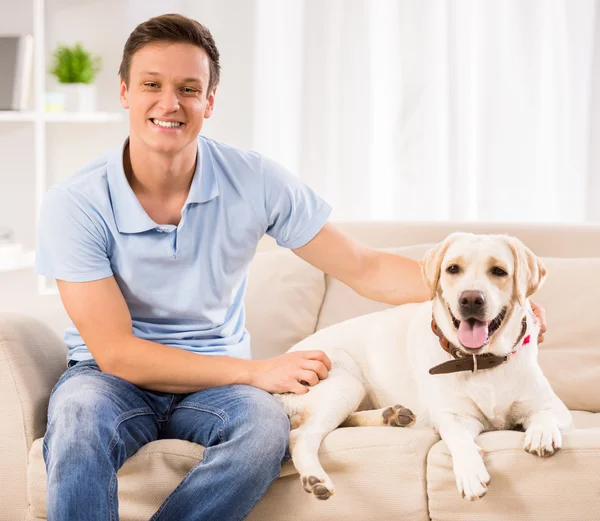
(463,363)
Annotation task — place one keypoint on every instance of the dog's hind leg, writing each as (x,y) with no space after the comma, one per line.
(396,416)
(323,409)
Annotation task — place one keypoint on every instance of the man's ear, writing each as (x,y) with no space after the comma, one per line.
(431,263)
(210,104)
(529,270)
(123,93)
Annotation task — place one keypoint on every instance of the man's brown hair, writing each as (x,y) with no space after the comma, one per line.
(171,28)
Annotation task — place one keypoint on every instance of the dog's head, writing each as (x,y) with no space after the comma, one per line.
(476,282)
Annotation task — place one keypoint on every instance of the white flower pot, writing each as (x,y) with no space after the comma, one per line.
(79,97)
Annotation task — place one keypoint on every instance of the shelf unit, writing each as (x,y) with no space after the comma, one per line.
(60,117)
(40,119)
(12,116)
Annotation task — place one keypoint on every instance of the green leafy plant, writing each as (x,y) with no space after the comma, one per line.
(75,64)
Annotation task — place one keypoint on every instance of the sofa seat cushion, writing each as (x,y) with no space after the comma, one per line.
(524,487)
(374,469)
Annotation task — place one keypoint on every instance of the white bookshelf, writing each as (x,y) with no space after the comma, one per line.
(10,116)
(43,124)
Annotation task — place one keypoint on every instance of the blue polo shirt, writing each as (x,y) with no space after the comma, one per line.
(184,285)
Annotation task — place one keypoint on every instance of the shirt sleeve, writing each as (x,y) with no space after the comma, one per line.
(71,246)
(295,213)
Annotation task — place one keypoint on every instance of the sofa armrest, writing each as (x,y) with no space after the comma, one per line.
(32,358)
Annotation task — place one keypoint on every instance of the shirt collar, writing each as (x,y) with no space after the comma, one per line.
(130,216)
(204,183)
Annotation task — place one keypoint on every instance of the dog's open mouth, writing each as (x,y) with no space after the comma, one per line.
(473,333)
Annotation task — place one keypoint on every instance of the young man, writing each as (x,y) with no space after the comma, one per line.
(150,247)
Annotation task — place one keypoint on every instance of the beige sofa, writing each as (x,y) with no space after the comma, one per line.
(380,473)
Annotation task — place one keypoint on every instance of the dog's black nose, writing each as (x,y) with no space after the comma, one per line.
(471,302)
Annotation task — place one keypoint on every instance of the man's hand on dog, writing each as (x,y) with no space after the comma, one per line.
(540,315)
(285,373)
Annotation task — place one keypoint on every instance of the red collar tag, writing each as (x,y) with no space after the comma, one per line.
(527,340)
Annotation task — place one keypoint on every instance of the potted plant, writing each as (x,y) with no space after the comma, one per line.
(75,69)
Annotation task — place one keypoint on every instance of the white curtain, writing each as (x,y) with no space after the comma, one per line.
(434,109)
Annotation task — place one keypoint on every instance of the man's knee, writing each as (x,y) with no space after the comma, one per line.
(85,410)
(75,412)
(262,424)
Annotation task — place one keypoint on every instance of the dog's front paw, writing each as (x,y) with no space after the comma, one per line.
(398,416)
(472,478)
(322,488)
(542,440)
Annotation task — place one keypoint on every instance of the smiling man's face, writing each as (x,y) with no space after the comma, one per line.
(166,96)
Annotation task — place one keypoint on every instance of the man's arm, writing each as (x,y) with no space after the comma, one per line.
(381,276)
(100,314)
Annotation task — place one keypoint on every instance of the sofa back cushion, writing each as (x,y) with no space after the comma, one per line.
(341,303)
(570,353)
(282,301)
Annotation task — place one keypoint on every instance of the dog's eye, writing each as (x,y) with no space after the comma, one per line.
(499,272)
(453,269)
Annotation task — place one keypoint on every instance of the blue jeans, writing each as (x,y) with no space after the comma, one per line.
(96,421)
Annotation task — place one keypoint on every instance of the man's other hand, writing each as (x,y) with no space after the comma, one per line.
(540,315)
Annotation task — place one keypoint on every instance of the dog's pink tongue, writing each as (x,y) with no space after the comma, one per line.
(472,333)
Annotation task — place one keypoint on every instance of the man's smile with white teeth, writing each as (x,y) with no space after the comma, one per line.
(166,124)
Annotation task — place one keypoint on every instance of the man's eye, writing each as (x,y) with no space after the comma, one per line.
(189,90)
(151,84)
(498,272)
(453,269)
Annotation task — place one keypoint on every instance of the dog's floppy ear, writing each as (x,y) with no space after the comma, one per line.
(431,263)
(530,271)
